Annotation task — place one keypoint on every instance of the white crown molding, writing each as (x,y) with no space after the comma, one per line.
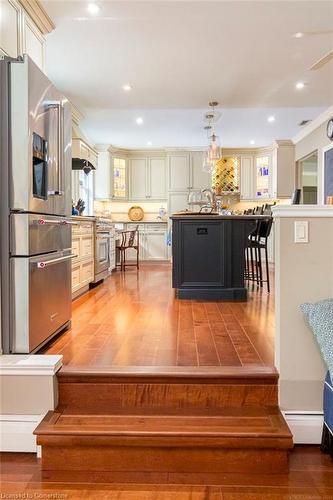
(317,122)
(30,364)
(38,14)
(296,211)
(77,115)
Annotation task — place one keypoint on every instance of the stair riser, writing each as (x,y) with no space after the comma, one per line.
(101,459)
(103,396)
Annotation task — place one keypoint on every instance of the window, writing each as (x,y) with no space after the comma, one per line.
(263,177)
(119,178)
(308,179)
(86,191)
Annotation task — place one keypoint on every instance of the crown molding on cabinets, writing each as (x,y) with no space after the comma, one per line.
(39,15)
(77,115)
(308,129)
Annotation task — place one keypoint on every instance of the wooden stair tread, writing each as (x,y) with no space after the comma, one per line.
(262,423)
(173,374)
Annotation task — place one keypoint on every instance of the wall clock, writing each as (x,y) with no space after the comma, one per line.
(330,129)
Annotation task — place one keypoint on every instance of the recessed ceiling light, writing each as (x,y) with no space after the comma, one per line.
(139,120)
(93,8)
(252,142)
(127,87)
(299,34)
(271,119)
(149,143)
(300,85)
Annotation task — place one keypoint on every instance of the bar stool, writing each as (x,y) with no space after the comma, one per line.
(129,239)
(256,243)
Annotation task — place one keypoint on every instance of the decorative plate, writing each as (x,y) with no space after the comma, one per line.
(136,213)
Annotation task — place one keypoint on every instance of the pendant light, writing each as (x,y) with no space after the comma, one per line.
(214,146)
(208,164)
(213,152)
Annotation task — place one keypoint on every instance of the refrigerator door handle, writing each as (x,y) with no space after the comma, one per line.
(60,161)
(54,222)
(45,263)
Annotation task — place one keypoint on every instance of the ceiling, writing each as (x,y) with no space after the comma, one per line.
(179,55)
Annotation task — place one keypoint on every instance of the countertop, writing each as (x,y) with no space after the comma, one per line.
(90,218)
(218,217)
(139,221)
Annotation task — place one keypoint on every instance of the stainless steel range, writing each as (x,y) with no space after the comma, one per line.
(104,248)
(35,207)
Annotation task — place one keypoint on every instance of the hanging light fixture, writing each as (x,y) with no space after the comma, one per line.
(208,164)
(213,152)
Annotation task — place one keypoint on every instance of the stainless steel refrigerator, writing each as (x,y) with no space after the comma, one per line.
(35,185)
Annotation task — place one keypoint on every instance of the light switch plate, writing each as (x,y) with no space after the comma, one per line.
(301,231)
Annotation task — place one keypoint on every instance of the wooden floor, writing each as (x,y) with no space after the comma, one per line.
(310,478)
(134,319)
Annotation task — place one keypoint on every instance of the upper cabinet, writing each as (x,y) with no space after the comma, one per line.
(102,177)
(185,172)
(80,149)
(179,172)
(22,28)
(147,179)
(138,178)
(11,34)
(199,178)
(119,179)
(268,173)
(157,179)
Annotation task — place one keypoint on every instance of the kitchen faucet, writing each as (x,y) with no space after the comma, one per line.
(210,196)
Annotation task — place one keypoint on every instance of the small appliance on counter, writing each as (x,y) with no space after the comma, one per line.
(35,207)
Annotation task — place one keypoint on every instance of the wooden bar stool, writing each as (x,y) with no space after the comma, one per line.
(129,239)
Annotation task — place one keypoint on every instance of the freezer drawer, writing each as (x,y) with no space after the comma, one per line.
(41,298)
(33,234)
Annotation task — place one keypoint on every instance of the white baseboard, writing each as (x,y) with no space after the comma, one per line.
(16,432)
(306,427)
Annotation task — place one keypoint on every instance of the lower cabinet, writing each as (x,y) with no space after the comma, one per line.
(83,264)
(152,242)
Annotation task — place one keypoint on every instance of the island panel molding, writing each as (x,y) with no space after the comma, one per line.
(208,256)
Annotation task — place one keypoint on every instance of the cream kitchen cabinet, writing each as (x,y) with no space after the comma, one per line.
(138,179)
(19,33)
(83,240)
(247,177)
(147,179)
(102,177)
(156,247)
(11,32)
(80,149)
(152,241)
(179,172)
(199,179)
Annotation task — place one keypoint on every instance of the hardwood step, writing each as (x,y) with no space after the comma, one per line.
(253,440)
(104,388)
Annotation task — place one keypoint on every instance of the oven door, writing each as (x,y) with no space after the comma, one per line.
(102,254)
(41,298)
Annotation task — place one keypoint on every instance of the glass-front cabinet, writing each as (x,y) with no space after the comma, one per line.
(263,176)
(119,179)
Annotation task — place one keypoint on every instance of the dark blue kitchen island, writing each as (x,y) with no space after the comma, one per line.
(208,256)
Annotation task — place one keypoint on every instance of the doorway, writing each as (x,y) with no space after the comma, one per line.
(307,170)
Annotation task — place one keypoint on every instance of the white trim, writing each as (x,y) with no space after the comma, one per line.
(306,427)
(323,151)
(317,122)
(16,433)
(30,364)
(302,211)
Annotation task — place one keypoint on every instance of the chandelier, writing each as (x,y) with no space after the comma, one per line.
(213,152)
